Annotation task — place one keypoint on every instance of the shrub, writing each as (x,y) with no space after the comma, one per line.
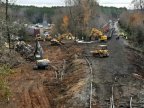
(4,89)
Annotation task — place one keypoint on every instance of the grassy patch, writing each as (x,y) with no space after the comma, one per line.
(5,93)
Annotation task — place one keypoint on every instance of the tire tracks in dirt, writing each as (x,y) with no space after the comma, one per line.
(38,97)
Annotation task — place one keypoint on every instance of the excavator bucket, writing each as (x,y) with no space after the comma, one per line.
(55,42)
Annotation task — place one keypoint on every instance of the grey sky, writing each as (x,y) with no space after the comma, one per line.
(49,3)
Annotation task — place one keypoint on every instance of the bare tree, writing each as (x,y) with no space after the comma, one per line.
(80,13)
(138,4)
(7,25)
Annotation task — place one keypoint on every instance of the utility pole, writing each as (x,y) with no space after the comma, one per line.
(7,28)
(141,7)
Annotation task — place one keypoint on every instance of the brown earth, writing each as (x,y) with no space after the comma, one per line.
(67,84)
(49,88)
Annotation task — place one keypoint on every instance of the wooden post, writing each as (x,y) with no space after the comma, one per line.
(64,67)
(112,100)
(131,102)
(91,80)
(7,28)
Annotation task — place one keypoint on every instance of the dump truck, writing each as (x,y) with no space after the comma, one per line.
(100,51)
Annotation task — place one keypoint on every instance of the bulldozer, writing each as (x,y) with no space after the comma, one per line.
(41,62)
(97,35)
(58,40)
(100,51)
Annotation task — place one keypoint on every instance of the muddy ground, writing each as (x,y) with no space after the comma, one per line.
(66,84)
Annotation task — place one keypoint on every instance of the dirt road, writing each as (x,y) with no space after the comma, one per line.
(119,73)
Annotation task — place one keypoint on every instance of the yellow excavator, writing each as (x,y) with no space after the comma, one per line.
(97,34)
(100,51)
(58,40)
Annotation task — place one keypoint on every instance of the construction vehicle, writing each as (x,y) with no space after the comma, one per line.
(106,28)
(43,38)
(48,38)
(58,40)
(100,51)
(41,63)
(40,38)
(122,34)
(111,33)
(97,35)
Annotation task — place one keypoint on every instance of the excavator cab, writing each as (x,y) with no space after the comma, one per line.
(100,51)
(103,38)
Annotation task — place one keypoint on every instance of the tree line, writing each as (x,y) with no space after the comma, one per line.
(36,14)
(76,17)
(132,22)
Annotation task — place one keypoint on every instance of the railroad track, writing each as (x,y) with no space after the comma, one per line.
(87,57)
(113,101)
(108,102)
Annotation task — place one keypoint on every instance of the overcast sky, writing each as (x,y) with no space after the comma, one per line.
(49,3)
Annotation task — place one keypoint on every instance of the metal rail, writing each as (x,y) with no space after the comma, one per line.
(91,77)
(91,80)
(112,99)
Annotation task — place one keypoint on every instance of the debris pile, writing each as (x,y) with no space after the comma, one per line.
(25,50)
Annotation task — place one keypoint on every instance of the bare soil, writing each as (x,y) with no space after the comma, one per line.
(67,84)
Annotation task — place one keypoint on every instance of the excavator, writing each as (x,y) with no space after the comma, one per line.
(98,35)
(58,40)
(41,62)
